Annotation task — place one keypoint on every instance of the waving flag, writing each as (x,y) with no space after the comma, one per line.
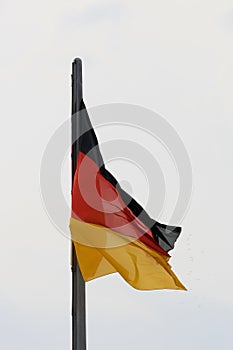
(111,232)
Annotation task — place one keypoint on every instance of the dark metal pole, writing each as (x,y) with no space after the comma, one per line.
(78,284)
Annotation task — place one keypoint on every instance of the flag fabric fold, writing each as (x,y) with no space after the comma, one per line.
(111,232)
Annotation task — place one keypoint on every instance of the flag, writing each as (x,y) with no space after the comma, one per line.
(111,232)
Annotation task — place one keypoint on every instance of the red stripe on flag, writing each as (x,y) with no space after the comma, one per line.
(95,200)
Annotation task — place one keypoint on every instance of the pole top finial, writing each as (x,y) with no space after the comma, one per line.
(77,60)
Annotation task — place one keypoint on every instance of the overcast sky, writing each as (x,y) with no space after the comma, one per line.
(174,57)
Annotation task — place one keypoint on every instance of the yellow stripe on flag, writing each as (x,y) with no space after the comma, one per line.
(101,251)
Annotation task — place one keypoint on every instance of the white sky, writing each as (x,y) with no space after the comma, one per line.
(174,57)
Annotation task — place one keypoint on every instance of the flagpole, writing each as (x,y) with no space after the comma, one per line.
(78,284)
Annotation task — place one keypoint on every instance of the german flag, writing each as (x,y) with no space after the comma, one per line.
(111,232)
